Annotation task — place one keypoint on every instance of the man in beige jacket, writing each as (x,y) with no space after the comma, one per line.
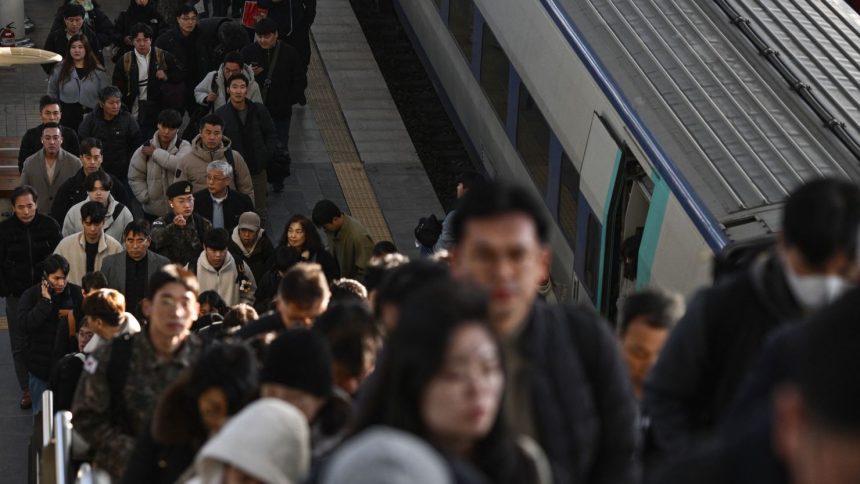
(85,250)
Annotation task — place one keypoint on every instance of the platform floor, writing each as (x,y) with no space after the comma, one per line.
(348,144)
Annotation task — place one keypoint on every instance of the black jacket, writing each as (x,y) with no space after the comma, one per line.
(39,318)
(286,84)
(234,206)
(127,81)
(255,139)
(192,52)
(23,248)
(259,259)
(120,137)
(73,191)
(98,22)
(712,348)
(129,17)
(58,43)
(31,142)
(583,406)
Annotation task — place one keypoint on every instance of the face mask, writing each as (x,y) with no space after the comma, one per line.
(815,291)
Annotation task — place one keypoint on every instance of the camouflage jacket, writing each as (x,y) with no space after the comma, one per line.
(111,428)
(179,244)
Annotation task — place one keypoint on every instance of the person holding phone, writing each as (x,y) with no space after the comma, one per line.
(42,309)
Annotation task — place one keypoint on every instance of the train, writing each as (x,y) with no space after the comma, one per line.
(659,133)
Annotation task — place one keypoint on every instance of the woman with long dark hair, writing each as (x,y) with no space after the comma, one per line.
(76,81)
(441,378)
(301,234)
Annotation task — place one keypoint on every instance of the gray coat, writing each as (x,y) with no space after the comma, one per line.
(36,175)
(113,268)
(75,90)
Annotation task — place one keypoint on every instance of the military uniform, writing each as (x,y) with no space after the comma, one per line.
(111,428)
(180,244)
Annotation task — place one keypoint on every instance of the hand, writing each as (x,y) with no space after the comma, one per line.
(128,40)
(147,150)
(46,293)
(257,70)
(161,75)
(179,220)
(211,97)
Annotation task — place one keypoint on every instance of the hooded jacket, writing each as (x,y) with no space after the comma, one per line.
(258,256)
(113,226)
(205,86)
(149,176)
(120,137)
(225,281)
(192,167)
(73,191)
(73,248)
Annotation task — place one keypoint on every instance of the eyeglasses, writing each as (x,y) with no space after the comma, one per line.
(215,178)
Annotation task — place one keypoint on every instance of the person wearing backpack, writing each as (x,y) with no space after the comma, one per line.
(217,270)
(99,187)
(122,381)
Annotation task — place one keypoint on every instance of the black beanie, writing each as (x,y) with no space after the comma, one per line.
(299,358)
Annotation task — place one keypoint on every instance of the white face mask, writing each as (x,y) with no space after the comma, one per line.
(815,291)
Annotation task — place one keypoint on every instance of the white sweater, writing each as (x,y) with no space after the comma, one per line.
(223,281)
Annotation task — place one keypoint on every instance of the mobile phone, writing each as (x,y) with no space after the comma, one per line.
(147,142)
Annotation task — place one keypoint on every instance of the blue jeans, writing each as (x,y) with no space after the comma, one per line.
(37,386)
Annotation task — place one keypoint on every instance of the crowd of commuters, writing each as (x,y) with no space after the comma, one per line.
(143,287)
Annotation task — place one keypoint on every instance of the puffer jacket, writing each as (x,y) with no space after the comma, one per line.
(23,248)
(192,167)
(225,281)
(114,226)
(203,88)
(76,90)
(150,176)
(40,318)
(120,137)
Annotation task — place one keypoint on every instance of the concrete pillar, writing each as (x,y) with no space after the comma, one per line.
(13,11)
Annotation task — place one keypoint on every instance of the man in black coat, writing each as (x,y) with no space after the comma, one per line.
(58,40)
(219,203)
(26,239)
(31,142)
(43,308)
(567,386)
(137,12)
(190,47)
(250,128)
(74,191)
(712,348)
(117,130)
(294,21)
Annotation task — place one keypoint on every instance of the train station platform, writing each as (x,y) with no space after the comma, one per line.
(348,144)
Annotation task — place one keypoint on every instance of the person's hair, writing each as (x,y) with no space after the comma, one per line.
(47,100)
(324,212)
(471,178)
(658,309)
(73,10)
(98,176)
(344,289)
(108,92)
(380,266)
(170,118)
(169,274)
(22,190)
(405,280)
(239,76)
(214,300)
(217,239)
(140,226)
(415,355)
(91,62)
(304,285)
(87,145)
(313,241)
(141,28)
(347,326)
(212,120)
(286,257)
(54,263)
(51,126)
(265,26)
(222,166)
(93,280)
(239,315)
(105,304)
(234,57)
(183,9)
(384,247)
(821,218)
(494,199)
(94,211)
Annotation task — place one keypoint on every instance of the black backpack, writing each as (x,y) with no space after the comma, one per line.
(428,230)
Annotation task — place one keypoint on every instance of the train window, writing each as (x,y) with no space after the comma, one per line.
(592,254)
(495,72)
(533,139)
(461,19)
(568,199)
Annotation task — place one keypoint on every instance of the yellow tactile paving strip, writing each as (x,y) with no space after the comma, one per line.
(348,167)
(3,323)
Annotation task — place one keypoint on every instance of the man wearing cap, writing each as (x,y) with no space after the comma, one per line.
(179,234)
(249,243)
(218,202)
(218,271)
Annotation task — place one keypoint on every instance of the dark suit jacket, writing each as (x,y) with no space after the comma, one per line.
(113,267)
(235,205)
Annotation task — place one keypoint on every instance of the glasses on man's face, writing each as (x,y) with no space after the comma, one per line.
(215,178)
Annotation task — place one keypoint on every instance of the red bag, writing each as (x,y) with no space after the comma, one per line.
(252,14)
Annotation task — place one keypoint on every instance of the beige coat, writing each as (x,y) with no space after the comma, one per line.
(192,167)
(73,248)
(150,176)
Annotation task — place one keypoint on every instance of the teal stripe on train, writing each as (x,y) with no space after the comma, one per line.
(651,234)
(606,206)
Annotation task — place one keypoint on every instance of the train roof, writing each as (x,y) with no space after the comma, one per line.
(731,123)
